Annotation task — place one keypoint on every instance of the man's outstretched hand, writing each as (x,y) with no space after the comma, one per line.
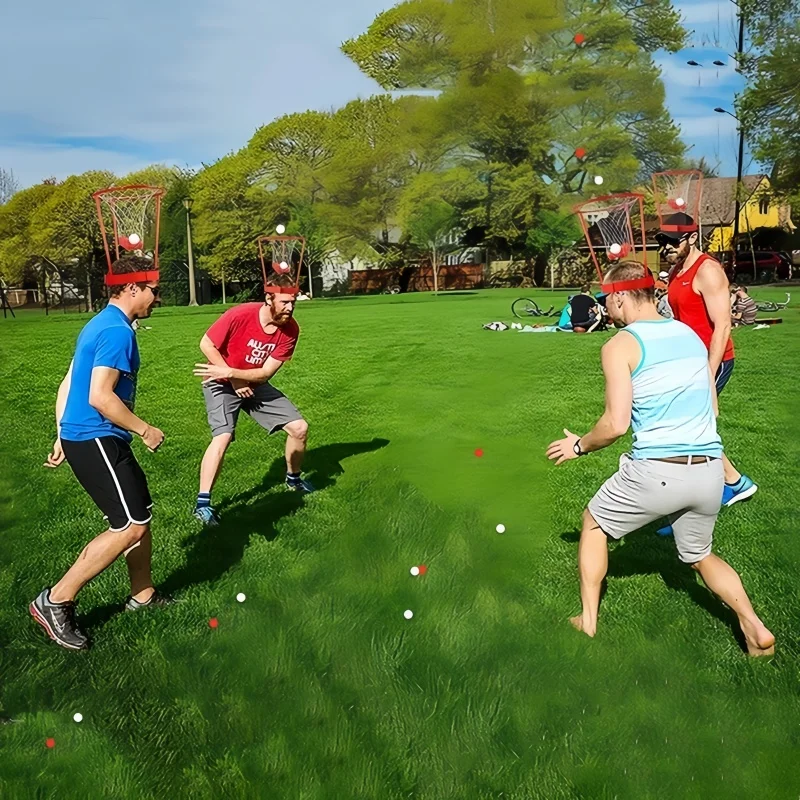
(211,372)
(563,449)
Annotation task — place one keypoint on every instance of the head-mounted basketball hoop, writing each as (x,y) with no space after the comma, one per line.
(129,218)
(281,255)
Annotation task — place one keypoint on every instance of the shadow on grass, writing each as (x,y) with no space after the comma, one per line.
(644,553)
(258,511)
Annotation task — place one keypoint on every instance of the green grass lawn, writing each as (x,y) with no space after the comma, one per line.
(316,686)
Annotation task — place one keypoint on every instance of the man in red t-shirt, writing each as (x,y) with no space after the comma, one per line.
(699,297)
(245,347)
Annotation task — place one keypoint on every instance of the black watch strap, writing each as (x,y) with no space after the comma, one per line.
(578,450)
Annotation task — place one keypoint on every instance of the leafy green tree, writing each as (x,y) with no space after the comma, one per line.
(173,246)
(550,233)
(65,227)
(17,231)
(230,213)
(526,109)
(770,106)
(429,228)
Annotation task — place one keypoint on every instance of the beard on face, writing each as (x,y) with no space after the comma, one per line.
(281,318)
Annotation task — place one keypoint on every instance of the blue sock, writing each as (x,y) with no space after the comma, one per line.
(203,500)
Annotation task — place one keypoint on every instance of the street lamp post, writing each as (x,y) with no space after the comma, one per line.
(737,206)
(487,178)
(187,204)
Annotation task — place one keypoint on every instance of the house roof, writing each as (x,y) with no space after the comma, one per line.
(719,198)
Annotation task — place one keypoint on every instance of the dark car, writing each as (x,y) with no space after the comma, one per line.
(769,266)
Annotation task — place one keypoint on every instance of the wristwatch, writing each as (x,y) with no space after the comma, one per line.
(577,448)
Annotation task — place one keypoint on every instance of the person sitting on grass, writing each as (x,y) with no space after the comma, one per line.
(585,313)
(743,307)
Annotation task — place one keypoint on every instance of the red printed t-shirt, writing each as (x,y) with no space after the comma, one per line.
(243,342)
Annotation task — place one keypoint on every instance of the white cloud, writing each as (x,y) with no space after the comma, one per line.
(33,164)
(190,76)
(706,126)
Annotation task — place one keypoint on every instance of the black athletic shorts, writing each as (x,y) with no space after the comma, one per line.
(110,473)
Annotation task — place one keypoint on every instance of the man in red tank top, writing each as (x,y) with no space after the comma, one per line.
(699,297)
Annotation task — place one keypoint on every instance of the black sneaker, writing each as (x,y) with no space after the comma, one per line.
(58,620)
(156,601)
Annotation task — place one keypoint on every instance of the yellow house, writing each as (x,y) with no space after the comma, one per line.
(758,210)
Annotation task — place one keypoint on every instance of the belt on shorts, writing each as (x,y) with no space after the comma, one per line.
(687,459)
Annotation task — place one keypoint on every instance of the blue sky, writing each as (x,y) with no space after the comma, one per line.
(91,85)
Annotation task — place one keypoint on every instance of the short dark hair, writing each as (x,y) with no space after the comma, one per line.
(630,271)
(586,288)
(125,265)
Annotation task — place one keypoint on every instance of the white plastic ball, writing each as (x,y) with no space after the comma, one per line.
(501,528)
(615,249)
(680,202)
(280,229)
(241,597)
(414,571)
(408,614)
(134,238)
(598,179)
(284,266)
(78,717)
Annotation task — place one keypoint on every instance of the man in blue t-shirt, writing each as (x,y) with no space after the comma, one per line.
(95,420)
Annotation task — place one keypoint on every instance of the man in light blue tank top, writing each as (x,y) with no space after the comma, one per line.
(658,382)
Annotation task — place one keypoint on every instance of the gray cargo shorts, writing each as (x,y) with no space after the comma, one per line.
(643,491)
(270,408)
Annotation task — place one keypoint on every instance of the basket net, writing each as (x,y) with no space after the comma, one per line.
(677,195)
(129,219)
(614,229)
(281,255)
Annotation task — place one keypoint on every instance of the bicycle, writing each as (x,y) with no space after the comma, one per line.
(770,305)
(524,307)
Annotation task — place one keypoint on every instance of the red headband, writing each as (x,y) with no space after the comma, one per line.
(628,286)
(121,278)
(281,289)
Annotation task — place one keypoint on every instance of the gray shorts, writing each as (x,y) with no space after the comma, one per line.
(270,408)
(643,491)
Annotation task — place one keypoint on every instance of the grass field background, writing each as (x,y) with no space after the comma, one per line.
(316,686)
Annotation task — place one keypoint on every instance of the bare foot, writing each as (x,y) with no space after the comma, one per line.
(577,623)
(760,642)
